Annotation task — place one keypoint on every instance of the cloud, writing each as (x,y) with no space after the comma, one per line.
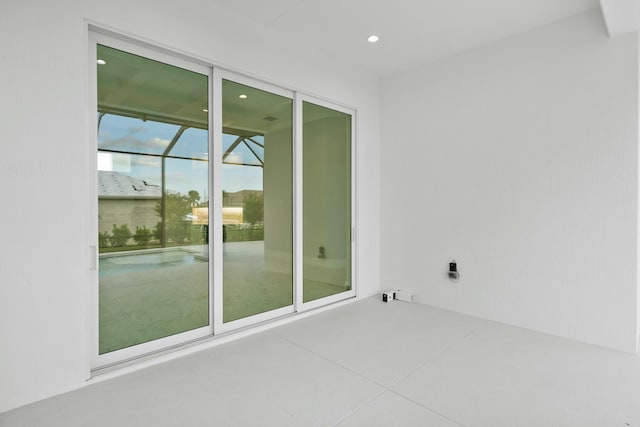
(146,161)
(132,144)
(136,129)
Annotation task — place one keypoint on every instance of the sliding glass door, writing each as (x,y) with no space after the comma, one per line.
(257,202)
(220,201)
(327,215)
(152,170)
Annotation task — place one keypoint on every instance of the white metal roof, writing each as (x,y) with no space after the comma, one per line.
(119,186)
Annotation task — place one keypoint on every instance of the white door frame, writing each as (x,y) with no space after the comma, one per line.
(219,325)
(300,304)
(216,325)
(117,356)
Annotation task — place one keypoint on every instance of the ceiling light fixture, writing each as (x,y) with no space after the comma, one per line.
(373,38)
(101,61)
(243,96)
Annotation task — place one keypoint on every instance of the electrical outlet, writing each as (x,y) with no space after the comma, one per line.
(388,296)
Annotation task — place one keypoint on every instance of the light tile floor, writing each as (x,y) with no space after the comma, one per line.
(367,364)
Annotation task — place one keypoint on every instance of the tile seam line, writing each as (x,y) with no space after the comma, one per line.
(425,363)
(418,367)
(333,362)
(385,388)
(358,407)
(428,409)
(434,356)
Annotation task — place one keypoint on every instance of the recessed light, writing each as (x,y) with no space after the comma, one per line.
(373,38)
(243,96)
(101,61)
(205,110)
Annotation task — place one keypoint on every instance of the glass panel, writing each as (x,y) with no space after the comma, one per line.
(326,165)
(134,135)
(152,200)
(192,144)
(239,150)
(257,201)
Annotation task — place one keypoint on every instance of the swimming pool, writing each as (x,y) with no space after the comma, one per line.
(129,262)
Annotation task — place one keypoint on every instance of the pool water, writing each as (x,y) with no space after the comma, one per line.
(128,263)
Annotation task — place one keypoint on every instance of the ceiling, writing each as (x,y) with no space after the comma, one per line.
(412,32)
(132,85)
(145,89)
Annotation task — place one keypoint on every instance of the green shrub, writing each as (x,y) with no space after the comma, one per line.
(253,210)
(120,235)
(175,207)
(237,233)
(142,236)
(103,239)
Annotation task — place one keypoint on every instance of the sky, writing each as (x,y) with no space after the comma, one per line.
(147,137)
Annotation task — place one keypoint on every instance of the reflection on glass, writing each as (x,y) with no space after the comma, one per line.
(326,150)
(152,200)
(256,200)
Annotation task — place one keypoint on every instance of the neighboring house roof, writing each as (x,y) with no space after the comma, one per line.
(114,185)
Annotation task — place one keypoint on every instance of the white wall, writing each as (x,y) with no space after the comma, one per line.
(44,270)
(520,161)
(278,201)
